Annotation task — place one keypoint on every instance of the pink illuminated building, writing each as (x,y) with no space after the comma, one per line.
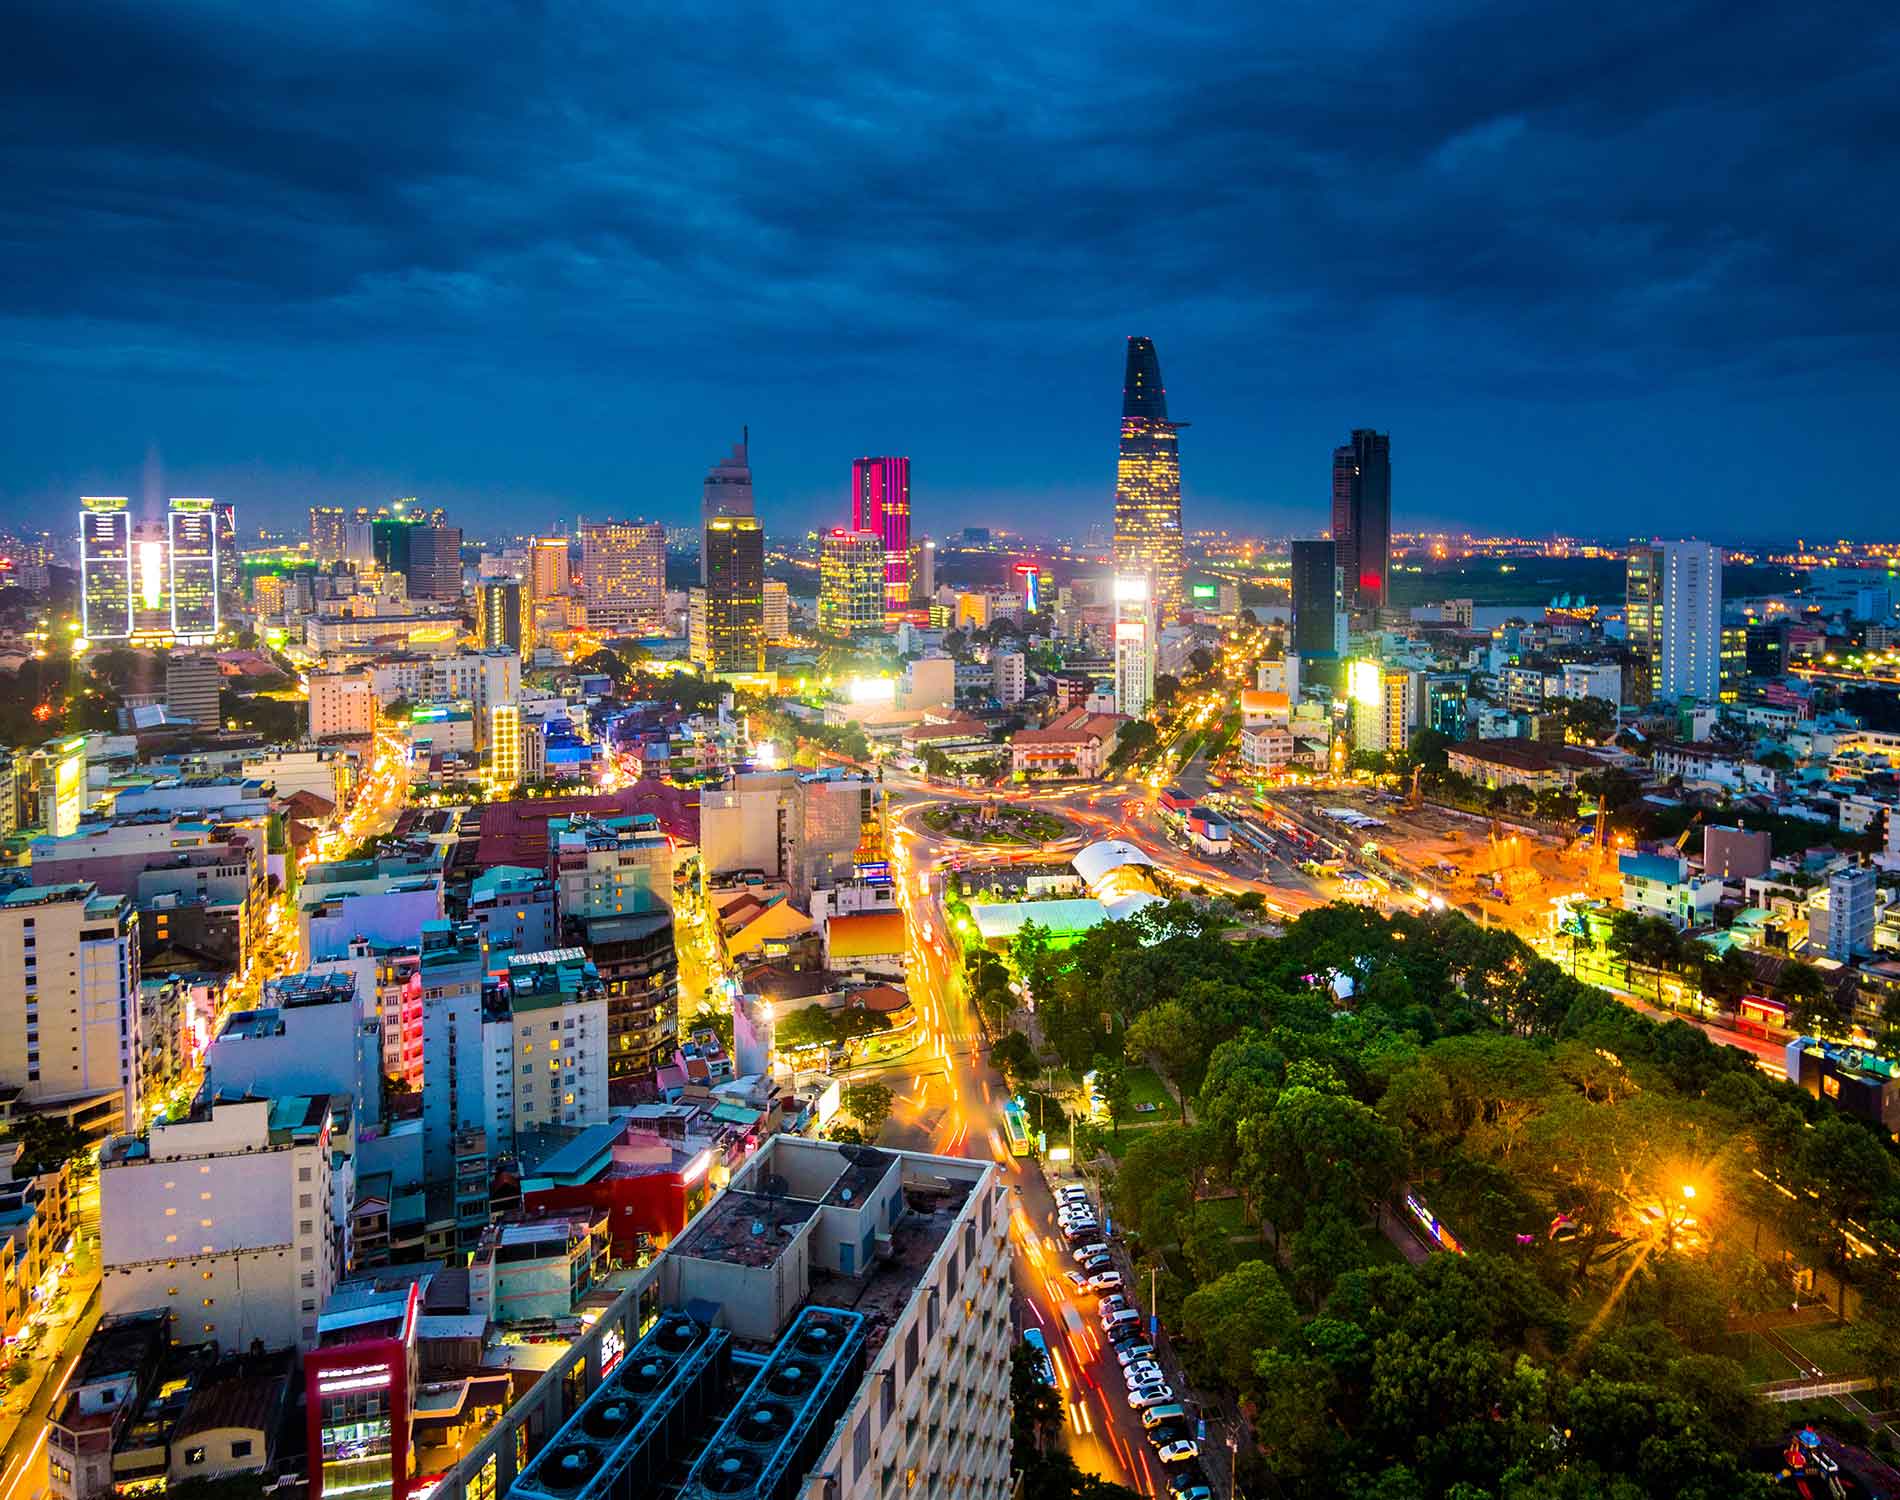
(880,502)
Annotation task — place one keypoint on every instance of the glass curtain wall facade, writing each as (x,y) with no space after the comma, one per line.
(1362,517)
(105,563)
(1148,483)
(852,582)
(880,502)
(734,554)
(192,541)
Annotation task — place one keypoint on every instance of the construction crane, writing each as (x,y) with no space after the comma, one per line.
(1682,838)
(1417,772)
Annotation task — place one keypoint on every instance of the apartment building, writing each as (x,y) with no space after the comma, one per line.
(833,1326)
(223,1218)
(342,706)
(805,830)
(611,868)
(69,1020)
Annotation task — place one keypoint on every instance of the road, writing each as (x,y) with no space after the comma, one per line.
(23,1458)
(949,1101)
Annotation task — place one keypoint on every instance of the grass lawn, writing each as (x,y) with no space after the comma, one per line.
(1231,1215)
(1826,1346)
(1760,1363)
(1145,1088)
(1130,1133)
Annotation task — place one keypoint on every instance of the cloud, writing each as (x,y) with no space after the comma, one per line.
(1484,202)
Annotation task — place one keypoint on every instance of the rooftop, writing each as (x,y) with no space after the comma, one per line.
(1527,755)
(866,934)
(744,1228)
(332,988)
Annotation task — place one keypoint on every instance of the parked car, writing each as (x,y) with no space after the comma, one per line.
(1096,1264)
(1106,1281)
(1189,1484)
(1178,1452)
(1114,1302)
(1077,1279)
(1123,1335)
(1152,1394)
(1142,1372)
(1134,1352)
(1088,1252)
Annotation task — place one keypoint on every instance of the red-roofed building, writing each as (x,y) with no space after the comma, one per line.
(1077,743)
(516,833)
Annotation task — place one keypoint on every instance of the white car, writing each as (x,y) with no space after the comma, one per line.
(1134,1354)
(1150,1395)
(1106,1281)
(1143,1372)
(1077,1280)
(1178,1452)
(1089,1252)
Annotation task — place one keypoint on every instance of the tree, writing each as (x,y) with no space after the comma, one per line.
(867,1103)
(1035,1407)
(1725,977)
(1016,1059)
(1813,1008)
(1316,1150)
(1230,1322)
(1171,1035)
(48,1142)
(1135,740)
(845,1133)
(1201,660)
(1326,1247)
(1118,1095)
(1167,689)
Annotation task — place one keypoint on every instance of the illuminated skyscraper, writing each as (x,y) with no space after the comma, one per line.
(1674,621)
(727,490)
(501,617)
(623,571)
(1362,517)
(733,554)
(230,575)
(105,565)
(435,563)
(880,502)
(1148,483)
(1134,645)
(850,581)
(778,613)
(326,532)
(547,562)
(191,536)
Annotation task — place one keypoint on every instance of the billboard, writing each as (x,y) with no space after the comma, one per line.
(1365,683)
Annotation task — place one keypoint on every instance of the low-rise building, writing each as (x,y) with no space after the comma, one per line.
(1660,885)
(1077,743)
(1526,763)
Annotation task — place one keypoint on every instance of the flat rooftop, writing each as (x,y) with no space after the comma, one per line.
(932,1207)
(744,1228)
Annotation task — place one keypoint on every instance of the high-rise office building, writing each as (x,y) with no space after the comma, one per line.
(727,490)
(926,571)
(105,566)
(778,613)
(623,573)
(547,566)
(230,574)
(1673,620)
(1134,644)
(880,502)
(1362,517)
(1148,483)
(851,579)
(435,563)
(191,536)
(1317,618)
(327,523)
(733,556)
(501,617)
(192,686)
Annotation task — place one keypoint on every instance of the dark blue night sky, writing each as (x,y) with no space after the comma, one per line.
(1595,267)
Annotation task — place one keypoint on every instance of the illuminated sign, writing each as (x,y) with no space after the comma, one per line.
(1131,589)
(1205,591)
(1031,576)
(1365,683)
(872,689)
(151,573)
(355,1378)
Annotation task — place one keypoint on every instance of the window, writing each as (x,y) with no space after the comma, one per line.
(240,1447)
(861,1444)
(194,1456)
(910,1352)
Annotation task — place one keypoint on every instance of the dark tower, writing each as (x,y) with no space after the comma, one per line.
(1362,517)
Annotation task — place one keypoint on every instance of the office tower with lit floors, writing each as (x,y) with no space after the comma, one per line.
(1362,518)
(1134,645)
(327,523)
(727,490)
(435,563)
(623,576)
(1148,484)
(501,617)
(1673,620)
(105,567)
(732,555)
(191,536)
(851,581)
(880,502)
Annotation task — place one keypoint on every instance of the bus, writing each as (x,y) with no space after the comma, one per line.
(1045,1367)
(1016,1128)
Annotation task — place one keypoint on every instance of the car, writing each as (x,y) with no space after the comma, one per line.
(1088,1252)
(1178,1452)
(1070,1193)
(1076,1279)
(1081,1232)
(1098,1263)
(1114,1302)
(1142,1372)
(1126,1336)
(1152,1394)
(1189,1484)
(1163,1433)
(1105,1281)
(1134,1351)
(1080,1224)
(1074,1213)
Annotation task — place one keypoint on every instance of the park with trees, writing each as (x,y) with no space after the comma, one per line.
(1628,1202)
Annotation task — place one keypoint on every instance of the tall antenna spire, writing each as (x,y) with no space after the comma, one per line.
(745,442)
